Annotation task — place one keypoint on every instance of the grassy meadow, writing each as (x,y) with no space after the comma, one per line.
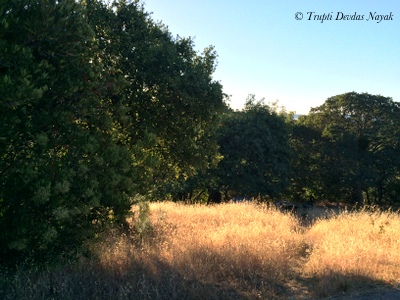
(228,251)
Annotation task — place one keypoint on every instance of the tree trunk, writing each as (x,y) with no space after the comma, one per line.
(359,197)
(368,198)
(380,192)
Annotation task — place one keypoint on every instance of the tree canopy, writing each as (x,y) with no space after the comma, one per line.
(255,150)
(352,147)
(99,104)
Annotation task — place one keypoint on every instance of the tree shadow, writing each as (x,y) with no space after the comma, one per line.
(158,280)
(135,280)
(337,286)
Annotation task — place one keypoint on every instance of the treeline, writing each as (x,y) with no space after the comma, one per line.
(102,107)
(347,149)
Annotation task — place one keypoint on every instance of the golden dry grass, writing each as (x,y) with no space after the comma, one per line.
(241,250)
(255,252)
(359,245)
(231,251)
(231,245)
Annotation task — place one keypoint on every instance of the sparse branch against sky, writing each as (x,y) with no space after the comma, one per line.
(267,48)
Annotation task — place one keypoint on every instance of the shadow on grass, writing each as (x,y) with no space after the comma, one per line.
(337,286)
(163,282)
(93,281)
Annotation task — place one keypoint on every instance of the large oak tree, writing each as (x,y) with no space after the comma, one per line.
(355,154)
(98,104)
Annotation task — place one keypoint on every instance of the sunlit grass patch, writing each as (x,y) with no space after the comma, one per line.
(231,244)
(361,244)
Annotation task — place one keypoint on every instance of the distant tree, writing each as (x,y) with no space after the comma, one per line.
(306,182)
(356,155)
(255,150)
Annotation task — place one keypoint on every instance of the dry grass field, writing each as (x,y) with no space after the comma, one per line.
(231,251)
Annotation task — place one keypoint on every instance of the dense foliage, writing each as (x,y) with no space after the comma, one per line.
(254,144)
(254,157)
(349,149)
(98,104)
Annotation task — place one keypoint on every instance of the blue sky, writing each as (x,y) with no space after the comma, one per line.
(263,50)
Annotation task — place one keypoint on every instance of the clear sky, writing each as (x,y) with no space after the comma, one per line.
(264,50)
